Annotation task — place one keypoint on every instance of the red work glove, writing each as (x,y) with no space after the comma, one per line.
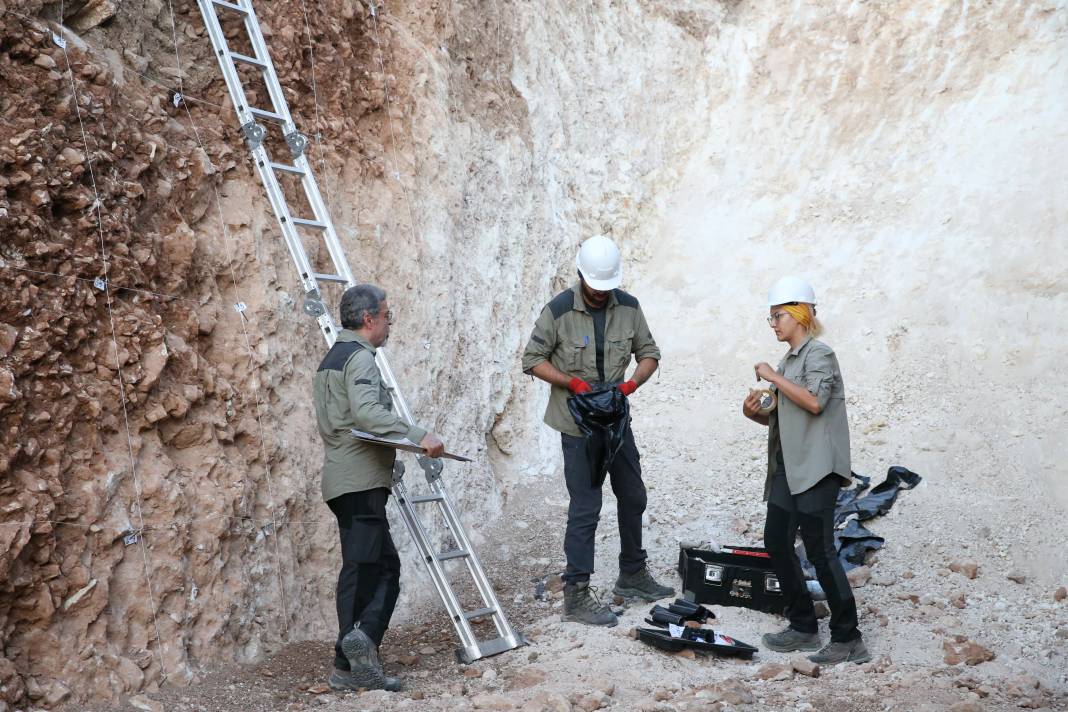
(628,387)
(577,385)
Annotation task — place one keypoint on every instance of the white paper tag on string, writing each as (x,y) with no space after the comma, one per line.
(675,630)
(59,41)
(130,539)
(240,307)
(100,284)
(177,98)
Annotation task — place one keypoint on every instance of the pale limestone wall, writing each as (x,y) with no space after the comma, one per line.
(906,160)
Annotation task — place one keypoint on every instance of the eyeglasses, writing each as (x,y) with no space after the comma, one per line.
(774,318)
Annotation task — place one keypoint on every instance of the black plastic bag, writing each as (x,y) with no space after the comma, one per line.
(603,416)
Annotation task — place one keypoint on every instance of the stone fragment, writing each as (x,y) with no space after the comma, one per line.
(79,595)
(91,14)
(968,569)
(1060,594)
(527,677)
(965,651)
(491,702)
(686,654)
(822,611)
(547,702)
(859,576)
(965,706)
(774,671)
(1016,576)
(472,673)
(732,691)
(805,667)
(958,599)
(147,704)
(45,60)
(417,695)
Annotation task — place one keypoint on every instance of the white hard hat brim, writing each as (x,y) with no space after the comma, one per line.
(603,285)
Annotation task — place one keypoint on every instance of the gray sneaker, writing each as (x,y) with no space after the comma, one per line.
(362,654)
(582,606)
(641,584)
(852,651)
(788,640)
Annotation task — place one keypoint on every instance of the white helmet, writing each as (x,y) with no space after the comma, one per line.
(599,263)
(791,289)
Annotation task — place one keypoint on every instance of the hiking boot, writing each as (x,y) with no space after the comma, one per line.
(362,654)
(788,640)
(852,651)
(582,606)
(343,681)
(641,584)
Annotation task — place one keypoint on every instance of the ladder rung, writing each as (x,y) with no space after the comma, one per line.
(230,6)
(269,115)
(286,168)
(248,60)
(479,613)
(454,554)
(419,498)
(330,278)
(309,223)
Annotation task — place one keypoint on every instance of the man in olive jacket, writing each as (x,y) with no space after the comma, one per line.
(356,480)
(585,338)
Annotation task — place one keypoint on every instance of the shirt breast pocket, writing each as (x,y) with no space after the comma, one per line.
(618,357)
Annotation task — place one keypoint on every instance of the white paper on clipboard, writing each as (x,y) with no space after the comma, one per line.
(400,444)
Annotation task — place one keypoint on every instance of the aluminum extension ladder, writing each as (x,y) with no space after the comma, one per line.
(319,223)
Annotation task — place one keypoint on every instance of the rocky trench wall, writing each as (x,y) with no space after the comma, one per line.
(159,505)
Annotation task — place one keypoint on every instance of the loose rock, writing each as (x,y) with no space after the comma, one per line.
(805,666)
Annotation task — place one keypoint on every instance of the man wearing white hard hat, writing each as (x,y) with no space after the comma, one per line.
(584,339)
(808,462)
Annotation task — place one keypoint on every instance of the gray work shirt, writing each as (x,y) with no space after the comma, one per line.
(813,446)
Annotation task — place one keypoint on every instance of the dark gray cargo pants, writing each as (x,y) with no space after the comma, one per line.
(584,510)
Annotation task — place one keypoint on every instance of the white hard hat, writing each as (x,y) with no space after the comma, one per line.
(791,289)
(599,263)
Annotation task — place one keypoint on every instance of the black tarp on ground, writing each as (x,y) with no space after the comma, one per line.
(853,540)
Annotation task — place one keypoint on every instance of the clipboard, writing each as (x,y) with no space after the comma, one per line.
(400,444)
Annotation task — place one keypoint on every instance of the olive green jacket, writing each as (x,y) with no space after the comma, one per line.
(563,335)
(813,446)
(349,393)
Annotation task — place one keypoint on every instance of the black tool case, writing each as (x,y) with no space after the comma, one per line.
(735,576)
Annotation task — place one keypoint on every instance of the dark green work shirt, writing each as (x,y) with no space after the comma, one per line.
(349,394)
(564,335)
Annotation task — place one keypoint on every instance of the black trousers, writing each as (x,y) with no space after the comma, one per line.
(584,509)
(811,511)
(369,582)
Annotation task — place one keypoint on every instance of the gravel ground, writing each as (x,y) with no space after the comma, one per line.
(916,609)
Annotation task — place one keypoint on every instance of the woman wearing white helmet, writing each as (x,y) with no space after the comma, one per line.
(808,461)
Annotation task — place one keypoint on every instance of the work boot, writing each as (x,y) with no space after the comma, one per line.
(788,640)
(581,606)
(362,654)
(343,681)
(641,584)
(853,651)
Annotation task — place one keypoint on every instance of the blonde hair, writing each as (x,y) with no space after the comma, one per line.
(805,315)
